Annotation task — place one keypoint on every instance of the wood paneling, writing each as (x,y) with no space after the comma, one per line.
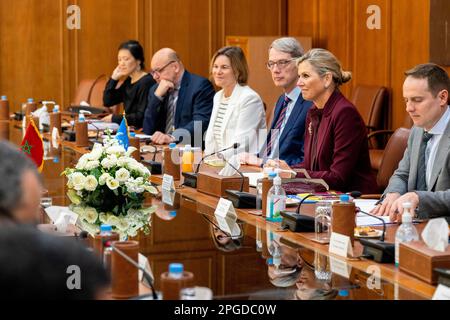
(378,56)
(31,50)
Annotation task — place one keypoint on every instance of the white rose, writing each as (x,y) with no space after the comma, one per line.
(151,189)
(107,163)
(82,162)
(96,153)
(112,220)
(122,175)
(90,215)
(112,183)
(134,188)
(91,183)
(115,150)
(130,151)
(123,225)
(78,180)
(78,210)
(103,178)
(92,165)
(122,162)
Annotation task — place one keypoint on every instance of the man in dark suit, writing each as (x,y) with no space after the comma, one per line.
(285,138)
(179,104)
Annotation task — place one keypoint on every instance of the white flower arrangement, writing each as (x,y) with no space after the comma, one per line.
(108,186)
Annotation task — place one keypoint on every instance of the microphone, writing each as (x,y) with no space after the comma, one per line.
(190,178)
(155,166)
(378,250)
(297,222)
(146,275)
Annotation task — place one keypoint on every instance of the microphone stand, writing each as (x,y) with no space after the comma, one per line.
(190,178)
(378,250)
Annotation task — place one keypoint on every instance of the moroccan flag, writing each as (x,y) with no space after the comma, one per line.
(33,146)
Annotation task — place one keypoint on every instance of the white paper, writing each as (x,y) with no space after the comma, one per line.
(168,183)
(61,217)
(143,136)
(229,171)
(94,125)
(143,263)
(229,226)
(442,293)
(253,177)
(435,234)
(340,245)
(364,220)
(365,205)
(225,209)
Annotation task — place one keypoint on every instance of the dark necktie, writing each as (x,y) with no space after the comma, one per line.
(171,106)
(421,184)
(278,124)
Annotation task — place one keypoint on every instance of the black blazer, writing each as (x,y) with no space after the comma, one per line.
(194,104)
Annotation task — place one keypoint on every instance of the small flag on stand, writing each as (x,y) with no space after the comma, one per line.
(33,145)
(123,134)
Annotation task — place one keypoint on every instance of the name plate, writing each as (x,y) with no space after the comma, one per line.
(340,267)
(168,197)
(340,245)
(225,209)
(442,293)
(168,183)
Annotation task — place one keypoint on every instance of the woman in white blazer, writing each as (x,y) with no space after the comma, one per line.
(238,114)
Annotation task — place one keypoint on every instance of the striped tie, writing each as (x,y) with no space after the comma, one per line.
(171,104)
(278,124)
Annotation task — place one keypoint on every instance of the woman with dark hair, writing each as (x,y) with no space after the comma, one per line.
(133,91)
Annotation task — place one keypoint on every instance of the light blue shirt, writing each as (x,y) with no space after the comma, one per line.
(293,95)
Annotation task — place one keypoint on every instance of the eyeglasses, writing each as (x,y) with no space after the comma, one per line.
(280,64)
(159,70)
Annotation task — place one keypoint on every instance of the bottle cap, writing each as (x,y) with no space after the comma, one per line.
(277,180)
(56,160)
(272,174)
(407,205)
(56,108)
(176,268)
(81,117)
(172,145)
(30,100)
(172,214)
(105,228)
(345,198)
(133,134)
(4,98)
(343,293)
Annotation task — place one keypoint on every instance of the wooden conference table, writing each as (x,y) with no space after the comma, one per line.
(244,266)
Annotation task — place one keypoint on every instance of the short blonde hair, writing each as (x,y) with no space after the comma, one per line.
(238,62)
(324,61)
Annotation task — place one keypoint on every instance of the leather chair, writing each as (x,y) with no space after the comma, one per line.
(392,155)
(376,154)
(372,104)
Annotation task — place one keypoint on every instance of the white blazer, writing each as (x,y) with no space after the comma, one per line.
(244,122)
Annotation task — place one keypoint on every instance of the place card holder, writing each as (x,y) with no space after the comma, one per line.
(55,122)
(81,134)
(343,219)
(135,142)
(124,275)
(30,107)
(100,240)
(172,162)
(4,109)
(4,130)
(170,288)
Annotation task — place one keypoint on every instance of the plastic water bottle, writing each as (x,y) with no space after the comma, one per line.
(81,117)
(276,201)
(106,230)
(406,232)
